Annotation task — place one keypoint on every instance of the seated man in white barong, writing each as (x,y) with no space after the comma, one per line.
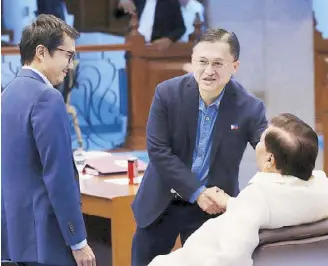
(285,192)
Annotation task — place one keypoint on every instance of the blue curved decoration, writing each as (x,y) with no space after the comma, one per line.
(10,65)
(99,99)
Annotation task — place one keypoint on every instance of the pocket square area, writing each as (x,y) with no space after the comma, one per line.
(234,127)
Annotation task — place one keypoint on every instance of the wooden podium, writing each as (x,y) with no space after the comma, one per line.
(321,89)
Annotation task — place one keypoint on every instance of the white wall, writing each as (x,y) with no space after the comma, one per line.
(276,50)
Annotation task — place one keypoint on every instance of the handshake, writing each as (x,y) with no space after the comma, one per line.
(213,200)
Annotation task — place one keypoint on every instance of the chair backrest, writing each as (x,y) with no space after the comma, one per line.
(8,263)
(295,245)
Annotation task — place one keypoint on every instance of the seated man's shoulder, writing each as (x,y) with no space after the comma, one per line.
(320,178)
(320,174)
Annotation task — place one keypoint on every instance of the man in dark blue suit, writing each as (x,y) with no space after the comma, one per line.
(41,218)
(160,21)
(198,128)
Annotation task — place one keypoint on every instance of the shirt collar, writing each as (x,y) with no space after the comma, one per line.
(40,74)
(188,5)
(216,103)
(264,178)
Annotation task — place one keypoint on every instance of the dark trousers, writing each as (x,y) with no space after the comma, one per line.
(159,238)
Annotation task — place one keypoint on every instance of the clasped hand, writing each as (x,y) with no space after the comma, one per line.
(213,200)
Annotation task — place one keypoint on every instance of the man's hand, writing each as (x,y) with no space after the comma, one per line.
(162,44)
(219,197)
(128,6)
(84,256)
(206,203)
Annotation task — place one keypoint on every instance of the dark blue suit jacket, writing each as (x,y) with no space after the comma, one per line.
(171,135)
(40,205)
(168,20)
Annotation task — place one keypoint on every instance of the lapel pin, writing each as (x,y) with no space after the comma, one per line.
(234,127)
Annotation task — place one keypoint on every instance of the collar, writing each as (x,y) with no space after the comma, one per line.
(40,74)
(216,103)
(189,5)
(265,178)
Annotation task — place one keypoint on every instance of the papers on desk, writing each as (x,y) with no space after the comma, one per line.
(95,154)
(85,176)
(109,164)
(123,180)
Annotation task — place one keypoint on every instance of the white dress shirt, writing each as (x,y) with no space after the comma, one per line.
(147,18)
(189,12)
(269,201)
(83,243)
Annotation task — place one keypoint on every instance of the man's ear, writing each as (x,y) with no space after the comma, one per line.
(40,51)
(271,160)
(235,66)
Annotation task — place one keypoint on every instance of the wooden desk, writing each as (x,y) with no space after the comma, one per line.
(113,201)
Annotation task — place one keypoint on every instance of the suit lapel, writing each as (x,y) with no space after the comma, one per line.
(191,109)
(224,118)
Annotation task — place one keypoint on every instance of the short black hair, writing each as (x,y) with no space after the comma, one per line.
(294,145)
(222,35)
(46,30)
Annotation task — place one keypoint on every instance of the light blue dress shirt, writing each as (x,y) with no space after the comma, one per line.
(202,152)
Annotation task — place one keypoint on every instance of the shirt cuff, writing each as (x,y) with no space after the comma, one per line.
(196,194)
(79,245)
(230,201)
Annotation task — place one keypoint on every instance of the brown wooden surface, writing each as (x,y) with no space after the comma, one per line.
(325,133)
(97,16)
(113,201)
(321,74)
(321,89)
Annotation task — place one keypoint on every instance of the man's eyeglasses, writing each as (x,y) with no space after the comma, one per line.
(204,63)
(70,53)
